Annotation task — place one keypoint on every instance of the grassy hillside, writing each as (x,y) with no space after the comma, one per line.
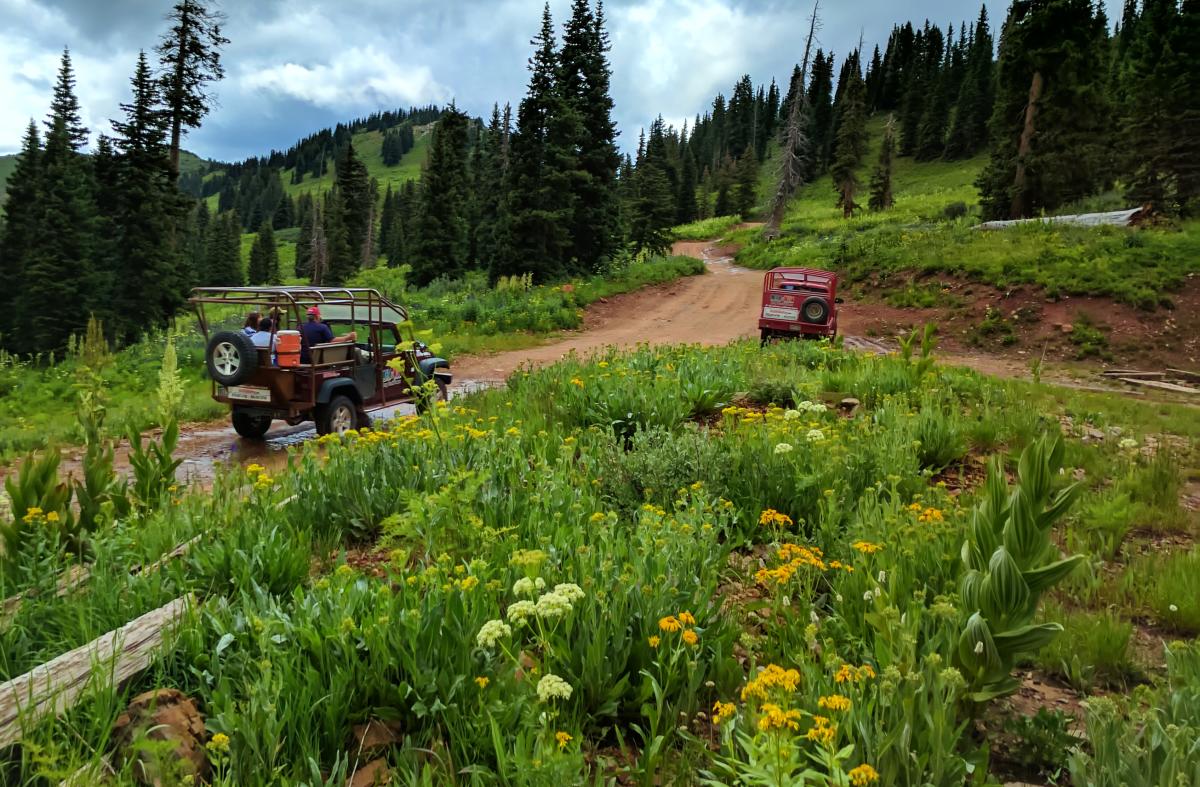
(931,230)
(368,146)
(7,165)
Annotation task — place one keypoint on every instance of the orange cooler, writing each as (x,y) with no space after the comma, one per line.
(287,348)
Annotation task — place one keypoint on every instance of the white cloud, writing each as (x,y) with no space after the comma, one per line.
(353,79)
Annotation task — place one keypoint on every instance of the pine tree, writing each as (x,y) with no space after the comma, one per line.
(223,257)
(264,258)
(747,184)
(340,260)
(881,179)
(1161,113)
(541,202)
(820,102)
(491,196)
(685,201)
(851,141)
(584,82)
(190,58)
(59,272)
(441,227)
(653,210)
(354,200)
(149,212)
(304,245)
(973,108)
(19,234)
(931,137)
(1050,127)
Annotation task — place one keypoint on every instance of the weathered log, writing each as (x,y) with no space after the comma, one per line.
(56,686)
(1161,385)
(1185,374)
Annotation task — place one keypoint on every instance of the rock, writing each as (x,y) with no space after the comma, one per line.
(849,404)
(373,737)
(162,715)
(1067,327)
(373,773)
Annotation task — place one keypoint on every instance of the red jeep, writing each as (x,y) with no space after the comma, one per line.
(798,302)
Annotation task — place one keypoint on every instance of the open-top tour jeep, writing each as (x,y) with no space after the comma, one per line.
(333,384)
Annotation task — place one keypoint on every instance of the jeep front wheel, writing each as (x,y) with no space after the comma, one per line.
(252,427)
(337,417)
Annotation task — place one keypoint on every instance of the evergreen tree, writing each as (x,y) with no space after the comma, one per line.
(973,108)
(442,242)
(223,257)
(1162,109)
(264,258)
(355,201)
(724,205)
(685,202)
(851,141)
(931,139)
(820,102)
(59,273)
(584,77)
(881,179)
(491,197)
(541,201)
(304,245)
(1049,130)
(149,209)
(339,260)
(653,210)
(19,233)
(747,184)
(190,57)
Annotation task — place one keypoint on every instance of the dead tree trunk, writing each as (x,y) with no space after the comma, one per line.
(1020,202)
(794,155)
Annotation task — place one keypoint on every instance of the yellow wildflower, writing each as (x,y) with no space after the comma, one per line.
(722,711)
(690,637)
(834,702)
(563,739)
(862,775)
(687,619)
(670,624)
(577,382)
(866,547)
(219,743)
(52,516)
(775,717)
(482,681)
(654,640)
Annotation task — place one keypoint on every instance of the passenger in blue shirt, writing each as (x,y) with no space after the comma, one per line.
(315,332)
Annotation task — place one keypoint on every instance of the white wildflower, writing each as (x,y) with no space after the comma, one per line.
(1128,444)
(815,436)
(553,605)
(783,448)
(791,415)
(552,687)
(520,611)
(1173,608)
(523,587)
(540,584)
(570,591)
(979,647)
(492,632)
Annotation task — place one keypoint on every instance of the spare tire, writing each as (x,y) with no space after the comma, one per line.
(815,310)
(231,357)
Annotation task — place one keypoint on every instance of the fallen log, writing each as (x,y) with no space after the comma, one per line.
(56,686)
(1160,385)
(1131,373)
(1185,374)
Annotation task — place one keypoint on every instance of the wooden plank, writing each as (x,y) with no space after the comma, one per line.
(1160,385)
(1185,374)
(56,686)
(1139,375)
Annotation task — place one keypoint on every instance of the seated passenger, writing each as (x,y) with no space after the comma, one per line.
(264,338)
(251,325)
(315,332)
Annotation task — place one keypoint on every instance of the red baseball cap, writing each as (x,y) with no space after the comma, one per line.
(314,311)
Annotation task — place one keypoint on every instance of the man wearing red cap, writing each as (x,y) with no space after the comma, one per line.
(315,332)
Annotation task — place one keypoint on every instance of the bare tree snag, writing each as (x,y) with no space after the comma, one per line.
(795,146)
(1020,207)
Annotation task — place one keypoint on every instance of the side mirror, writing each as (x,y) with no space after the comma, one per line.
(838,300)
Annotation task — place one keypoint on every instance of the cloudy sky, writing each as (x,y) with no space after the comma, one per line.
(295,66)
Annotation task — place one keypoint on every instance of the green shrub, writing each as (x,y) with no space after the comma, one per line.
(1091,651)
(1043,741)
(1168,586)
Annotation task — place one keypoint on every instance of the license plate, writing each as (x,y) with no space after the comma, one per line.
(249,393)
(780,313)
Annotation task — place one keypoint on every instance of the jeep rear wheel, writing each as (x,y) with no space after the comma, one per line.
(231,357)
(337,417)
(251,426)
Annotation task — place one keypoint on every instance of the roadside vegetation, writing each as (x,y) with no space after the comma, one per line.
(706,229)
(670,565)
(37,395)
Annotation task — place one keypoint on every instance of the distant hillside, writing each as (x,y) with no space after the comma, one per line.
(7,165)
(393,146)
